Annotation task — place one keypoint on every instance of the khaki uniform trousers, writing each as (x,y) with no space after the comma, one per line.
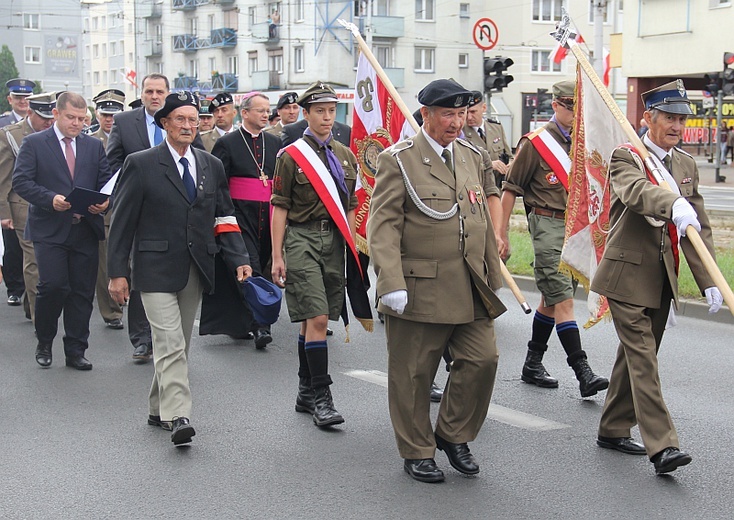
(414,353)
(635,394)
(108,308)
(19,214)
(171,317)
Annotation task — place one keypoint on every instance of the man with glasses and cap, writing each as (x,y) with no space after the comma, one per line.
(13,208)
(223,110)
(206,119)
(287,109)
(18,92)
(539,174)
(173,214)
(639,274)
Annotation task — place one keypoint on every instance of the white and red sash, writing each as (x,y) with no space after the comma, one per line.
(323,183)
(552,153)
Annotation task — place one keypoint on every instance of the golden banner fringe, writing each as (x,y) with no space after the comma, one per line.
(368,325)
(361,244)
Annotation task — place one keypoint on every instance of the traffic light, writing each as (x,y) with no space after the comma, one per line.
(712,83)
(495,78)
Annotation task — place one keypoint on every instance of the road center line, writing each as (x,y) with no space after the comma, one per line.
(497,412)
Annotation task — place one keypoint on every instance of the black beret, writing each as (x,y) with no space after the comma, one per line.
(221,99)
(289,98)
(444,93)
(418,117)
(174,101)
(135,103)
(476,98)
(273,115)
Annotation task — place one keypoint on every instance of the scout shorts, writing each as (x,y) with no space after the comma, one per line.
(547,235)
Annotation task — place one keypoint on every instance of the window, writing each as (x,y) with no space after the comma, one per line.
(32,54)
(251,62)
(212,65)
(298,59)
(380,7)
(233,65)
(104,77)
(194,68)
(112,21)
(95,50)
(383,53)
(194,26)
(541,62)
(424,59)
(300,11)
(96,77)
(104,50)
(463,60)
(95,23)
(424,10)
(86,29)
(87,52)
(103,23)
(547,10)
(713,4)
(88,75)
(130,56)
(122,47)
(251,17)
(31,21)
(463,10)
(113,48)
(275,61)
(210,22)
(592,11)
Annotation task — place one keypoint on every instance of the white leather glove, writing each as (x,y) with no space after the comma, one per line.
(396,300)
(714,299)
(683,216)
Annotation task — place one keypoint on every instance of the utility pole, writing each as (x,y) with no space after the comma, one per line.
(368,27)
(599,6)
(717,145)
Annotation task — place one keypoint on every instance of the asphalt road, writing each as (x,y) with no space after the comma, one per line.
(76,445)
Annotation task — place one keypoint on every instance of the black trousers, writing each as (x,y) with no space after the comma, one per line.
(13,264)
(138,328)
(67,274)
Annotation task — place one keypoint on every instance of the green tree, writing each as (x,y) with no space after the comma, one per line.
(8,70)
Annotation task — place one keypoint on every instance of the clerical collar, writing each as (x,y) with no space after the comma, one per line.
(254,136)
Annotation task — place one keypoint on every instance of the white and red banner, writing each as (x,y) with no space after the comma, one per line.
(377,124)
(595,135)
(560,52)
(130,76)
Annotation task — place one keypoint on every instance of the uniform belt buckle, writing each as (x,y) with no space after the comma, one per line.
(325,226)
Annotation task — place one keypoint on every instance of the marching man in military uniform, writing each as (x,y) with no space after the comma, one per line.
(288,110)
(539,174)
(206,120)
(18,92)
(639,274)
(489,135)
(313,195)
(428,237)
(223,111)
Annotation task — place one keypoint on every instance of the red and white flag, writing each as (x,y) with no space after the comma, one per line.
(560,52)
(607,67)
(130,76)
(595,136)
(376,124)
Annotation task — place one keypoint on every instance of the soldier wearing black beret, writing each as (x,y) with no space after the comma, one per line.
(224,112)
(288,110)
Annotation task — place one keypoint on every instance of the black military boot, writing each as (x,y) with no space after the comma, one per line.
(324,413)
(305,397)
(533,371)
(589,382)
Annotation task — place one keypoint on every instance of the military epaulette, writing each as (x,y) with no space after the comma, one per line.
(681,150)
(202,134)
(400,146)
(468,145)
(280,152)
(493,120)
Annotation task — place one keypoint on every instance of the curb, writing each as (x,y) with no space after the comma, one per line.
(687,308)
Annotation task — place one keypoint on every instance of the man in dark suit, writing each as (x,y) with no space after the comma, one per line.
(171,202)
(132,132)
(294,131)
(50,165)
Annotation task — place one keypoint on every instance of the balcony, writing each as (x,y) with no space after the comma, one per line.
(384,26)
(184,43)
(185,83)
(397,77)
(224,37)
(265,80)
(226,2)
(155,49)
(188,5)
(225,83)
(202,43)
(154,10)
(261,34)
(205,87)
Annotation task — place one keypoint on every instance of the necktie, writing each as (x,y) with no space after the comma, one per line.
(157,135)
(70,158)
(188,180)
(668,163)
(480,131)
(447,159)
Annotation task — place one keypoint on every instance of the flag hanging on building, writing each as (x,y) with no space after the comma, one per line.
(376,124)
(130,76)
(595,135)
(607,67)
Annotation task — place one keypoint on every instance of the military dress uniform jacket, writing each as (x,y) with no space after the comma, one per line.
(209,138)
(494,140)
(154,223)
(631,270)
(10,137)
(425,256)
(276,129)
(102,136)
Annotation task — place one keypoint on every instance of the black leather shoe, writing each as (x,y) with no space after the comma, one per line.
(14,300)
(143,353)
(669,460)
(115,324)
(78,362)
(423,470)
(262,338)
(155,420)
(436,393)
(182,431)
(459,456)
(624,444)
(43,355)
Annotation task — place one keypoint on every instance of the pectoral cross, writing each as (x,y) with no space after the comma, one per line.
(263,178)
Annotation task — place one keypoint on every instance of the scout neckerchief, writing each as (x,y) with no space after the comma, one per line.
(552,153)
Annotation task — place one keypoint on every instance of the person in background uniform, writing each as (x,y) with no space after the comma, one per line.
(489,135)
(429,239)
(222,108)
(639,275)
(544,192)
(135,103)
(273,119)
(248,155)
(18,92)
(13,208)
(308,240)
(107,103)
(206,118)
(172,213)
(288,110)
(49,166)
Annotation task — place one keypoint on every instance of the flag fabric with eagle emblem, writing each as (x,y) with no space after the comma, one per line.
(377,123)
(595,136)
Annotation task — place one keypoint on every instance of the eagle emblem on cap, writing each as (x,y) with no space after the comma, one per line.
(215,102)
(291,99)
(459,101)
(182,96)
(681,87)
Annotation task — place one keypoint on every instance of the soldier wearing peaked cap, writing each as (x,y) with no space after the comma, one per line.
(539,174)
(428,237)
(224,112)
(206,118)
(288,110)
(639,274)
(18,92)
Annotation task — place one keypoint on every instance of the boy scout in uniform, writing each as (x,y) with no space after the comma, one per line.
(428,235)
(544,192)
(308,254)
(639,275)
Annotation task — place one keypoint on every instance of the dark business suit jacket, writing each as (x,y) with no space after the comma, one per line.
(41,173)
(294,131)
(129,134)
(153,222)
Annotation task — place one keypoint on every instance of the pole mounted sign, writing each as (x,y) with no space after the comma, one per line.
(485,34)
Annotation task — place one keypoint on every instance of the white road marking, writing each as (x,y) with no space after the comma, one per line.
(497,412)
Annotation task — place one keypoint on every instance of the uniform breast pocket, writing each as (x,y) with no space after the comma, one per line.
(621,277)
(437,197)
(303,188)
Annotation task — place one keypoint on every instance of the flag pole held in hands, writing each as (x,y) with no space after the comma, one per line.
(414,124)
(565,37)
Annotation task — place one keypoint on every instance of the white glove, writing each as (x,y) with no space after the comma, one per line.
(396,300)
(683,216)
(714,299)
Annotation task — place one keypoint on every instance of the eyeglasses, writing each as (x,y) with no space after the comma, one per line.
(181,121)
(259,110)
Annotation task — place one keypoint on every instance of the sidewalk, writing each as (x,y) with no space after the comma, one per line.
(707,173)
